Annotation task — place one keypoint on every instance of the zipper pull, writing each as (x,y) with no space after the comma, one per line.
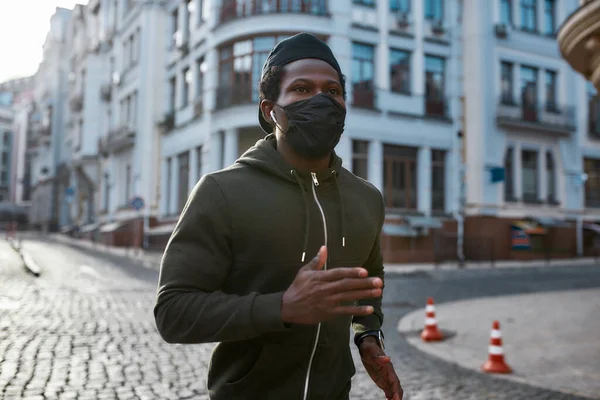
(314,178)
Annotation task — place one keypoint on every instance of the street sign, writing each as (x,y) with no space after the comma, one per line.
(497,174)
(70,191)
(137,203)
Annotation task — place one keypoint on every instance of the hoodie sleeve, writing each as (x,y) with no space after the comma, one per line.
(374,265)
(190,305)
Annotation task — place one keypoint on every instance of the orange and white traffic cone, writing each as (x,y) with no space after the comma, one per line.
(495,363)
(431,332)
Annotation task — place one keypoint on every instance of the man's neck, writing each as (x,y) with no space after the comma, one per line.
(299,163)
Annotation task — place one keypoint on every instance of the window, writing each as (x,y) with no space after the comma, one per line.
(506,12)
(401,6)
(509,194)
(198,163)
(549,18)
(507,82)
(370,3)
(175,27)
(438,180)
(592,185)
(363,66)
(434,85)
(168,187)
(529,15)
(172,93)
(529,165)
(183,161)
(200,71)
(551,178)
(202,11)
(400,71)
(593,112)
(190,10)
(551,91)
(529,93)
(4,177)
(400,177)
(240,67)
(360,158)
(434,10)
(187,84)
(106,192)
(127,190)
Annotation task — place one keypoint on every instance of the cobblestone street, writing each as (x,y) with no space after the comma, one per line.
(84,330)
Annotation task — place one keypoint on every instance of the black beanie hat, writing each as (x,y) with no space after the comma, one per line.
(297,47)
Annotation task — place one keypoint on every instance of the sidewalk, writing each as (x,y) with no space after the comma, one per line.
(550,339)
(151,259)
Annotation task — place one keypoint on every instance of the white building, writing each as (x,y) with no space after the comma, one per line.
(526,111)
(21,158)
(6,138)
(48,155)
(402,63)
(131,36)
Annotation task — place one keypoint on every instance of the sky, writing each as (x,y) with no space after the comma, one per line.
(23,28)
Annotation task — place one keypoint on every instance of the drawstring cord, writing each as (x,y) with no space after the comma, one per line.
(342,211)
(306,214)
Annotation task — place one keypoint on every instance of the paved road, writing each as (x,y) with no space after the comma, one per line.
(84,330)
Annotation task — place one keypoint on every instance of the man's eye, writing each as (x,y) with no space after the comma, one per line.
(333,92)
(300,89)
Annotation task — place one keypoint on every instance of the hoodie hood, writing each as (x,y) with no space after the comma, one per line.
(264,156)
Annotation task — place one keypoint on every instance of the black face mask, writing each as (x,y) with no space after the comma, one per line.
(314,126)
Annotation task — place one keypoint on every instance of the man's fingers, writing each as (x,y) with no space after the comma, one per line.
(359,311)
(354,295)
(337,274)
(319,260)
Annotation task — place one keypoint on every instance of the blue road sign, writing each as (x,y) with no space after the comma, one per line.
(70,191)
(137,203)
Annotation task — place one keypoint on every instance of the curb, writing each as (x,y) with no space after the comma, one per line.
(28,262)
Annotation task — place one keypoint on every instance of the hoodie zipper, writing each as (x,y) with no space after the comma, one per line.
(314,349)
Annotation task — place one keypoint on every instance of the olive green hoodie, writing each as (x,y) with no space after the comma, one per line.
(241,238)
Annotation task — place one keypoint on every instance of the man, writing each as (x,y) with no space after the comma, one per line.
(237,271)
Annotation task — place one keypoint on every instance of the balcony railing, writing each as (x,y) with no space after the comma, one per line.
(117,140)
(234,95)
(536,116)
(436,107)
(77,102)
(594,117)
(235,9)
(363,95)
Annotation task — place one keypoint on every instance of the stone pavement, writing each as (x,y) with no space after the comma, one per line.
(551,340)
(84,330)
(151,259)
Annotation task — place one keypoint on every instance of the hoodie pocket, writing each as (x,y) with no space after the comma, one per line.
(250,368)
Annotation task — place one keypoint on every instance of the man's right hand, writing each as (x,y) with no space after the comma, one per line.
(315,295)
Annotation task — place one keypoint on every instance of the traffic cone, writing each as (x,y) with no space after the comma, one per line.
(431,332)
(495,363)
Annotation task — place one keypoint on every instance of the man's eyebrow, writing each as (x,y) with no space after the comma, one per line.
(306,80)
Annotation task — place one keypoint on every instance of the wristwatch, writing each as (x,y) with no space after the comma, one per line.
(377,334)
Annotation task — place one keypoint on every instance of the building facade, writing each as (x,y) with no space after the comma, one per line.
(132,46)
(402,63)
(47,141)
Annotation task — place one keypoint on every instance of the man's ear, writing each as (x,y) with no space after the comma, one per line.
(266,106)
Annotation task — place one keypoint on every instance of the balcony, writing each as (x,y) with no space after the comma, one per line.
(363,95)
(436,107)
(594,118)
(228,96)
(106,92)
(117,140)
(76,102)
(579,41)
(549,118)
(232,9)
